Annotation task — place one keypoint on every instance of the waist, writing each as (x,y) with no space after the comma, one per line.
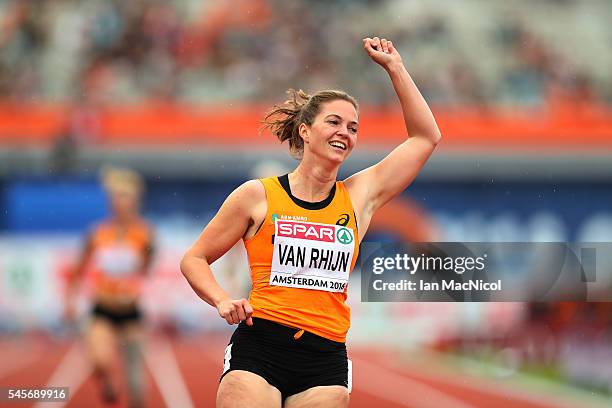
(270,332)
(112,306)
(131,284)
(322,313)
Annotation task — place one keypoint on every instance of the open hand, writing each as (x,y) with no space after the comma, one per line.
(235,311)
(381,51)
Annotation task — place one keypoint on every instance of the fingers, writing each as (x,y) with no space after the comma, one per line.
(241,314)
(367,44)
(234,317)
(230,316)
(384,45)
(373,43)
(248,310)
(377,44)
(235,311)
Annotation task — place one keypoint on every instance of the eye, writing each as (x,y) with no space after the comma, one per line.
(354,130)
(333,121)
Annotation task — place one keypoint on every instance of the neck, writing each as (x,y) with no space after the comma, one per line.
(124,220)
(311,181)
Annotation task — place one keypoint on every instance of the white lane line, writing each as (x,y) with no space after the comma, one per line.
(167,374)
(395,388)
(488,387)
(71,372)
(500,390)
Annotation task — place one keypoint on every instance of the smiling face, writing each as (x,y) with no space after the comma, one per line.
(333,134)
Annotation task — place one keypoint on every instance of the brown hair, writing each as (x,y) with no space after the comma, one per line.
(284,120)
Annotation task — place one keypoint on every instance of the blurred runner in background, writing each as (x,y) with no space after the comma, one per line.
(117,252)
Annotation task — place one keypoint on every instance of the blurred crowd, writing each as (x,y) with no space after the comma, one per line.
(572,338)
(568,341)
(467,52)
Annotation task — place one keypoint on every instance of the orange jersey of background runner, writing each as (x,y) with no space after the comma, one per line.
(117,260)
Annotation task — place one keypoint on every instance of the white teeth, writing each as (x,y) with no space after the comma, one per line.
(338,144)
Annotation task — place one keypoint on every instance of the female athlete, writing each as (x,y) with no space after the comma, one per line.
(302,233)
(118,251)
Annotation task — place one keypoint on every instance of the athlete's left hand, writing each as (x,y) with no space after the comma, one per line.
(382,51)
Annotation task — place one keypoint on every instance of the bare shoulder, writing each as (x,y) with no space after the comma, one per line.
(231,222)
(252,196)
(254,186)
(246,194)
(250,193)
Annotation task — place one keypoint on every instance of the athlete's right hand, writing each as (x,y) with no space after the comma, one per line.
(235,310)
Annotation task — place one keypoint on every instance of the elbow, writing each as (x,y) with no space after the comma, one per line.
(431,136)
(189,262)
(436,137)
(184,264)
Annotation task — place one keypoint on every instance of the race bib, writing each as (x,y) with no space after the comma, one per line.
(309,255)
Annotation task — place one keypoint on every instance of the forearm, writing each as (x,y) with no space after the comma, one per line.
(418,117)
(72,290)
(75,278)
(201,279)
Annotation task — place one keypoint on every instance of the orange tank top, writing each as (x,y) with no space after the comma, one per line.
(117,259)
(301,258)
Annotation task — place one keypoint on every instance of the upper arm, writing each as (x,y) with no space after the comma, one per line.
(230,223)
(371,188)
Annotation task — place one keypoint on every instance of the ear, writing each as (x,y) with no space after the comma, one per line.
(304,132)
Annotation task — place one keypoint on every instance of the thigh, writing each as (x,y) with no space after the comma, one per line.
(332,396)
(240,389)
(101,340)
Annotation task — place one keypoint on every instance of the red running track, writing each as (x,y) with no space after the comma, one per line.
(184,371)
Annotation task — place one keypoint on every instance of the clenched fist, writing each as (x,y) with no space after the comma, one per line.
(381,51)
(235,310)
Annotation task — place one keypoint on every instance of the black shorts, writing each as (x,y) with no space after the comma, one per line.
(131,314)
(270,350)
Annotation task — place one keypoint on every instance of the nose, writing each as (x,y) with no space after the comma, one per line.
(344,132)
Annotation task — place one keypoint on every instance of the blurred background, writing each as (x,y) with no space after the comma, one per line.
(175,90)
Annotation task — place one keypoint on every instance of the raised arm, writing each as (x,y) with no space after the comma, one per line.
(226,228)
(373,187)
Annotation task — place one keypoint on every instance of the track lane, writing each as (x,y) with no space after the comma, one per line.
(380,378)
